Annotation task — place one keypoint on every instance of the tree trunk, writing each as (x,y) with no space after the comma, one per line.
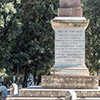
(38,79)
(35,79)
(25,80)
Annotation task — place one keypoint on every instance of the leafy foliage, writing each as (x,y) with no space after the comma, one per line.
(26,36)
(92,12)
(10,28)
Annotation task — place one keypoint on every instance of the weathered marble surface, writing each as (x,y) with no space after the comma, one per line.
(65,64)
(69,3)
(69,22)
(70,12)
(88,93)
(58,92)
(70,8)
(69,82)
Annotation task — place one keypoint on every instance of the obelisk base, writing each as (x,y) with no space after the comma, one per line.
(81,70)
(72,71)
(69,82)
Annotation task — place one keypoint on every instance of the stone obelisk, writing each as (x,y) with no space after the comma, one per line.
(69,27)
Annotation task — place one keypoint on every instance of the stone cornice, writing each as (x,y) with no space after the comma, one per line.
(64,22)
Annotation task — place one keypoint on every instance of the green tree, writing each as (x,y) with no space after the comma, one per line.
(92,12)
(10,28)
(30,39)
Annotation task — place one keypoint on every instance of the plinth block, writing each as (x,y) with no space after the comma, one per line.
(69,82)
(72,12)
(71,71)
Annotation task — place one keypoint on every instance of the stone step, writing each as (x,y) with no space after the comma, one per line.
(47,98)
(39,92)
(69,82)
(88,98)
(88,93)
(35,98)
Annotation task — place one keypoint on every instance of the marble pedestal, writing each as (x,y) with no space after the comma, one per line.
(70,45)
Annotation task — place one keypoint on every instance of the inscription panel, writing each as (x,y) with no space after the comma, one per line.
(70,46)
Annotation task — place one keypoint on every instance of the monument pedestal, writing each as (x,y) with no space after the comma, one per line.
(72,71)
(70,45)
